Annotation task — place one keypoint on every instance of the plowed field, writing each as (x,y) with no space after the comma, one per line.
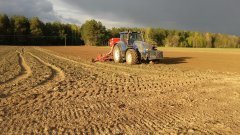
(57,90)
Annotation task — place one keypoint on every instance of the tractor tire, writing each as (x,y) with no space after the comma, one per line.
(132,57)
(117,54)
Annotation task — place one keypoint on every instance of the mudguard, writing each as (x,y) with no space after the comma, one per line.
(123,47)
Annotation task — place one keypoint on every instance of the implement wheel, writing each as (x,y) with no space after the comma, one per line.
(132,57)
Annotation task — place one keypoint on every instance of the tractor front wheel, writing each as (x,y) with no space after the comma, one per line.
(117,54)
(132,57)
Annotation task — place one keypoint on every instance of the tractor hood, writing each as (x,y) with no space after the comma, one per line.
(143,46)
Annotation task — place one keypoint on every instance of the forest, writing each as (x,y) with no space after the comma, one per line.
(20,30)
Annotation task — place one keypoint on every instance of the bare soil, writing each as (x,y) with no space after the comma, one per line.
(222,60)
(57,90)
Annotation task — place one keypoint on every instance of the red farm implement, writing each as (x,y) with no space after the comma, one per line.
(107,56)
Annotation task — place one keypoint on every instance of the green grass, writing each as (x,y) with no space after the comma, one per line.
(183,49)
(217,50)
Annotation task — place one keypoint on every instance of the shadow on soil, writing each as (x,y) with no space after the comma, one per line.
(175,60)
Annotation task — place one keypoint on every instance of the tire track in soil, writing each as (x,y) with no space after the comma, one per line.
(63,58)
(83,64)
(60,106)
(168,117)
(25,71)
(146,122)
(122,69)
(25,102)
(57,75)
(29,88)
(56,71)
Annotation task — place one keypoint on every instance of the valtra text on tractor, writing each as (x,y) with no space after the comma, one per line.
(132,48)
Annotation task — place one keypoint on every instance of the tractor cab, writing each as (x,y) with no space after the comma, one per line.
(130,37)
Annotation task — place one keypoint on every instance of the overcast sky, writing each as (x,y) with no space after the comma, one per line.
(199,15)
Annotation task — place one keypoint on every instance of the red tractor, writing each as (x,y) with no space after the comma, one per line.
(130,47)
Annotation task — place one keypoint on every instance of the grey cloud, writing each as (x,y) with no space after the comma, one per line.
(30,8)
(70,20)
(201,15)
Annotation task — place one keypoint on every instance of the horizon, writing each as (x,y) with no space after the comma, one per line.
(186,15)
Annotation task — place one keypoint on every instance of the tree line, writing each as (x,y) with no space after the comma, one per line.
(23,31)
(19,30)
(179,38)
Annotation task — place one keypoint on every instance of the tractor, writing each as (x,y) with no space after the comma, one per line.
(130,47)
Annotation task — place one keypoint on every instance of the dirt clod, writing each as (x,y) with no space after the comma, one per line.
(122,106)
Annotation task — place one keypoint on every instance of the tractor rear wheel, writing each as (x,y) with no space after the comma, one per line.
(132,57)
(117,54)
